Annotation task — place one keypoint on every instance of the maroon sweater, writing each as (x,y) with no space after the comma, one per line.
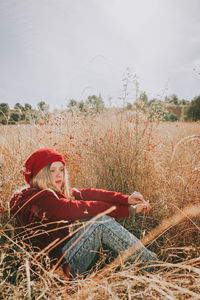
(47,215)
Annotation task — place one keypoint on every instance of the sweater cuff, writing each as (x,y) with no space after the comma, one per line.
(126,199)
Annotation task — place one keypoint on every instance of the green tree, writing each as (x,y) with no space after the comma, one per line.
(95,103)
(19,107)
(27,106)
(81,106)
(3,122)
(192,112)
(173,99)
(4,108)
(184,102)
(73,105)
(4,111)
(43,106)
(15,117)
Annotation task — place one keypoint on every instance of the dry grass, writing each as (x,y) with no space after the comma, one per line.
(117,151)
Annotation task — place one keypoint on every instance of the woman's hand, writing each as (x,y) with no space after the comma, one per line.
(138,208)
(136,198)
(143,207)
(137,204)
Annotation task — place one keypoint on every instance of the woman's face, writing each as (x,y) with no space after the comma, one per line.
(57,173)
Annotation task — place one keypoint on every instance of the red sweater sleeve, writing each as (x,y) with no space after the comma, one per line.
(100,195)
(71,210)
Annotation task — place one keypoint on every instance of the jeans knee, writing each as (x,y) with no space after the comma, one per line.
(105,219)
(99,223)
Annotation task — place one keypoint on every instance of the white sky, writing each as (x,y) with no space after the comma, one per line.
(55,50)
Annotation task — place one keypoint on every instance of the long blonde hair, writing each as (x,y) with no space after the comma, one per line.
(44,181)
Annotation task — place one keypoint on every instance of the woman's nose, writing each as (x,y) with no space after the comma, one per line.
(58,174)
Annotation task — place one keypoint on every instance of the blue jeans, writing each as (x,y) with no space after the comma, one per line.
(82,247)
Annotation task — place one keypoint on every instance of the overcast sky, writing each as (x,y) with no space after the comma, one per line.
(55,50)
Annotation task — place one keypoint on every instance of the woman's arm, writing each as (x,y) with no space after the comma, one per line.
(71,210)
(100,195)
(108,196)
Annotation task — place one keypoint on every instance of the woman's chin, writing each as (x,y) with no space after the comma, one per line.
(58,185)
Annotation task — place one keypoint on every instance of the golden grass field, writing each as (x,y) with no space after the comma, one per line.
(122,151)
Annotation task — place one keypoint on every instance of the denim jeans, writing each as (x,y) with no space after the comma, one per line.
(83,246)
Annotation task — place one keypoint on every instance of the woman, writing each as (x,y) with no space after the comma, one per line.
(47,209)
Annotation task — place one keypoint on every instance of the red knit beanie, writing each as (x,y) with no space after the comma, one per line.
(38,160)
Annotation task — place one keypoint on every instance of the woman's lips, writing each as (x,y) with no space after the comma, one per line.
(58,181)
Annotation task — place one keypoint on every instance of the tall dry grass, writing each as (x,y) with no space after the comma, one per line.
(115,150)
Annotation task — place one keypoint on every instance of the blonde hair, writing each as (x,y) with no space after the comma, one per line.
(44,181)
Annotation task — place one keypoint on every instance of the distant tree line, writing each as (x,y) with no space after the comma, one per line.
(22,114)
(93,105)
(26,114)
(171,109)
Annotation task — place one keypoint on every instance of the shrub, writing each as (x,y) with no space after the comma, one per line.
(3,122)
(15,117)
(193,110)
(171,117)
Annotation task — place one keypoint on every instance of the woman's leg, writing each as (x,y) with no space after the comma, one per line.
(80,251)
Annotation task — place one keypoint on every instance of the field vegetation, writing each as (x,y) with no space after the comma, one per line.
(117,149)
